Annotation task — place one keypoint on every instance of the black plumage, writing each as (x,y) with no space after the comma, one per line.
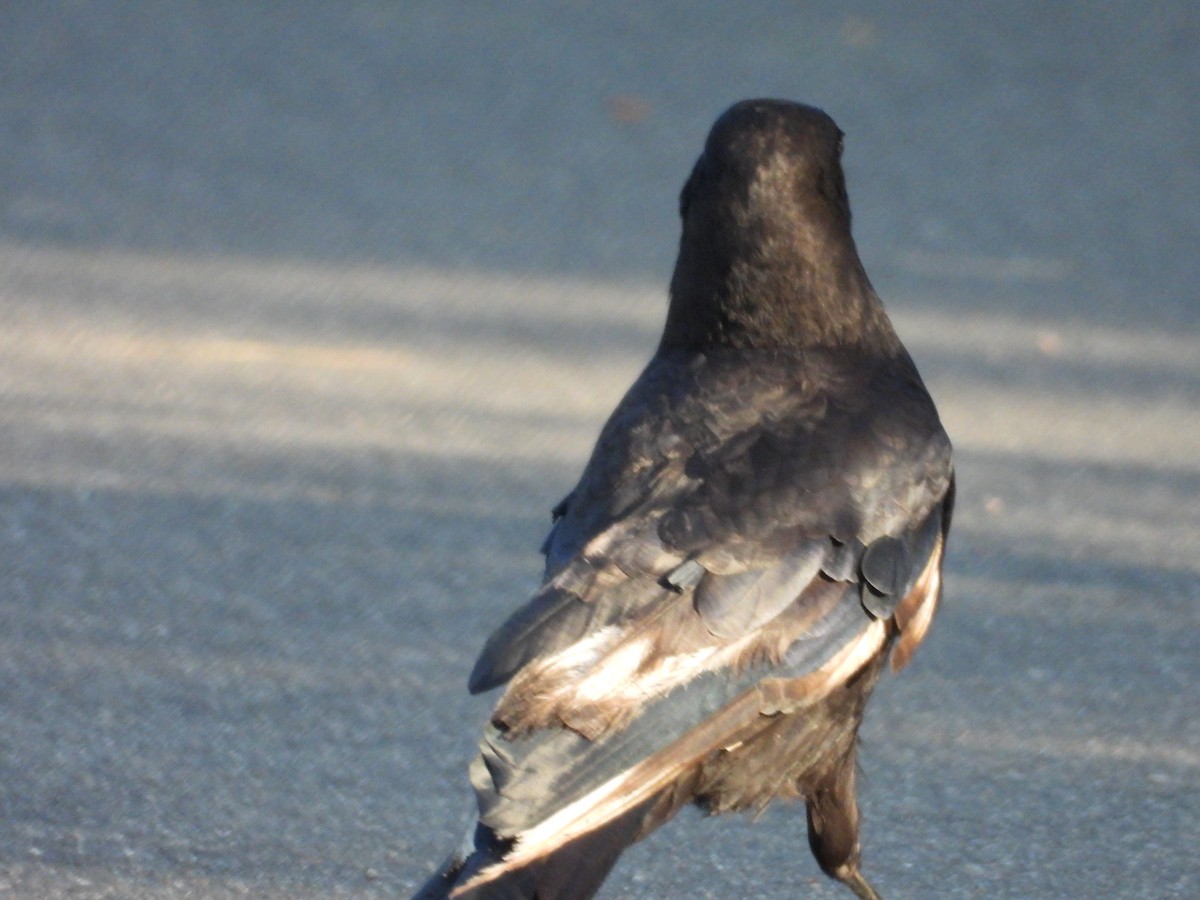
(760,526)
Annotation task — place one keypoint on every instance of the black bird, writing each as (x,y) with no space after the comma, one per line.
(760,526)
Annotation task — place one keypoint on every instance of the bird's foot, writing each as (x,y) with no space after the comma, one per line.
(852,878)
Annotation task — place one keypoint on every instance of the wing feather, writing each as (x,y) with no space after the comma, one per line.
(714,566)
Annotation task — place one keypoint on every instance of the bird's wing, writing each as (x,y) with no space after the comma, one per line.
(717,493)
(743,542)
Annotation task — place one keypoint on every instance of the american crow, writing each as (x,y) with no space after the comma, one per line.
(761,525)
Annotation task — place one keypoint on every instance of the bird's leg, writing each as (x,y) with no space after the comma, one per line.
(853,879)
(833,828)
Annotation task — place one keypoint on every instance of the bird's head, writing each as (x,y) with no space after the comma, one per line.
(768,165)
(766,257)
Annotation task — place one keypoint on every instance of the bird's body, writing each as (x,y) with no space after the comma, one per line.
(760,525)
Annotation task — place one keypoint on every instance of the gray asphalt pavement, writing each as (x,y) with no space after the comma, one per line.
(309,313)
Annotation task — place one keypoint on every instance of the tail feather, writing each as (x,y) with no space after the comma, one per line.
(574,871)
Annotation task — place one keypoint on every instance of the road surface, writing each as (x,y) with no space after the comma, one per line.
(309,316)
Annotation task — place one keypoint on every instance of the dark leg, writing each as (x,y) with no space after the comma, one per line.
(833,829)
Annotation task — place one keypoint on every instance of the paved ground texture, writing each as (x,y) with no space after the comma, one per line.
(309,313)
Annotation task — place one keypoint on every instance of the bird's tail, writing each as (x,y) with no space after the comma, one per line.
(574,871)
